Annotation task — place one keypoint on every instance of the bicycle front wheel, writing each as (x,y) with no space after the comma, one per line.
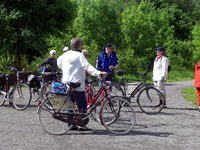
(150,100)
(46,88)
(50,124)
(117,121)
(21,96)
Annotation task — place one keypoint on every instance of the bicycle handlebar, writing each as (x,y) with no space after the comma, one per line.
(13,68)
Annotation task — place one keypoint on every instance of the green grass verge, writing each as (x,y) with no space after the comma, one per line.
(190,95)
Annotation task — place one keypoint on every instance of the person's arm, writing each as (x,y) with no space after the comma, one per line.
(59,62)
(44,63)
(165,64)
(98,62)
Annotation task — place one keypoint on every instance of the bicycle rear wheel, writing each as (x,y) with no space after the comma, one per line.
(21,96)
(120,121)
(35,94)
(150,100)
(2,98)
(45,116)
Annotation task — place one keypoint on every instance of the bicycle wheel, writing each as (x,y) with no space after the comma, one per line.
(150,100)
(35,94)
(120,121)
(21,96)
(113,90)
(2,98)
(47,87)
(45,113)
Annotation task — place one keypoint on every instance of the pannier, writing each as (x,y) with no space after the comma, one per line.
(33,81)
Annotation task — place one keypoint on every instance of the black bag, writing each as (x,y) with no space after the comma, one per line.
(2,81)
(33,81)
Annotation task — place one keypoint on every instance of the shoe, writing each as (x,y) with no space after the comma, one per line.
(11,103)
(165,106)
(84,129)
(74,128)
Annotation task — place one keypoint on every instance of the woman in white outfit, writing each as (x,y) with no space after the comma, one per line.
(160,71)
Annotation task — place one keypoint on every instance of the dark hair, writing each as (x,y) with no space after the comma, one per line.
(75,43)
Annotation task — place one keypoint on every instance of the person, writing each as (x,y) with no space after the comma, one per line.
(197,82)
(74,64)
(160,71)
(51,62)
(107,61)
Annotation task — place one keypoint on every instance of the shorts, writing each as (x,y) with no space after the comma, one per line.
(160,85)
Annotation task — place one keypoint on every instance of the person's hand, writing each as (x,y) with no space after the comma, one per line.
(111,67)
(162,78)
(102,74)
(37,65)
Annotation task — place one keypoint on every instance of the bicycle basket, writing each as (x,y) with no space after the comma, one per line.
(59,87)
(58,102)
(130,87)
(33,81)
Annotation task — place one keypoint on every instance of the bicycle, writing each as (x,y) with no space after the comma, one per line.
(148,98)
(49,79)
(116,114)
(19,96)
(36,82)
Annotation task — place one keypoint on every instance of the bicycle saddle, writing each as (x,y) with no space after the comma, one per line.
(120,73)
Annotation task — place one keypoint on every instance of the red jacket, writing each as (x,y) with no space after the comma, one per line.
(197,75)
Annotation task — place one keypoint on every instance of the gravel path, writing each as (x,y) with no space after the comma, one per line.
(175,128)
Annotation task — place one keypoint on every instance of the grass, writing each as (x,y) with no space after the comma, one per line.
(190,95)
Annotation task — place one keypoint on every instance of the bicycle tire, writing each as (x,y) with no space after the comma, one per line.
(118,122)
(35,94)
(113,90)
(47,87)
(21,96)
(48,123)
(2,98)
(149,100)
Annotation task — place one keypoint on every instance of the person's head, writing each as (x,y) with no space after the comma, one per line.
(84,52)
(65,49)
(76,43)
(160,50)
(52,53)
(109,48)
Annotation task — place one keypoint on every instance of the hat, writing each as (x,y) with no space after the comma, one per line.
(109,45)
(65,49)
(160,49)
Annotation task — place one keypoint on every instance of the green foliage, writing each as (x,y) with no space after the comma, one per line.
(196,42)
(27,24)
(99,21)
(190,94)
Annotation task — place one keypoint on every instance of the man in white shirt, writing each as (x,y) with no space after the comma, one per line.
(74,65)
(160,71)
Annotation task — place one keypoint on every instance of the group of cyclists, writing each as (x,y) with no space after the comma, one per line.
(74,66)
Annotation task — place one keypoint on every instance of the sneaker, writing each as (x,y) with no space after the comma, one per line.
(165,106)
(84,129)
(74,128)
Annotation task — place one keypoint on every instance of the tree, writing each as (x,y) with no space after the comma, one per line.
(26,24)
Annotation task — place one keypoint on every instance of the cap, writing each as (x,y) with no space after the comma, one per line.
(65,49)
(109,45)
(160,49)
